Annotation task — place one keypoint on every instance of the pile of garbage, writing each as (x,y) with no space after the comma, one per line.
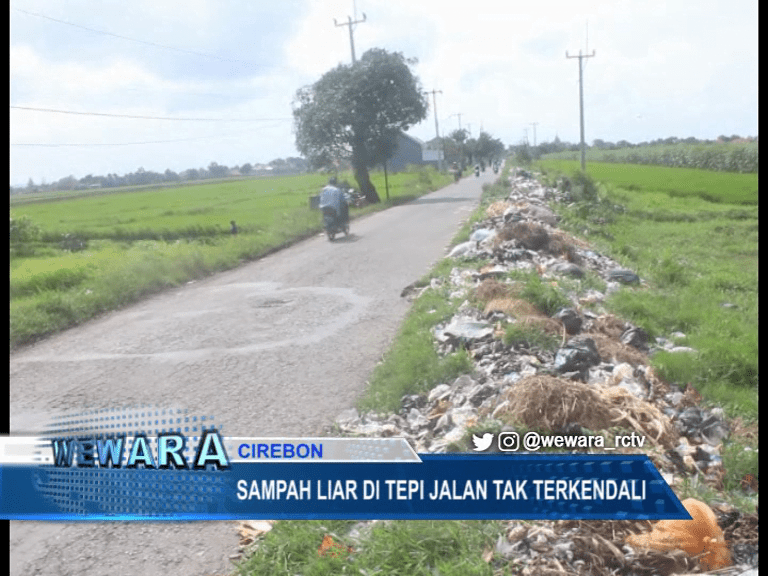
(575,370)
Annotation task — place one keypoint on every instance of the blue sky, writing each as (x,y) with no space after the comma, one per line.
(227,71)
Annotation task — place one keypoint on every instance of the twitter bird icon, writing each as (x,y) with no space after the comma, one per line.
(482,443)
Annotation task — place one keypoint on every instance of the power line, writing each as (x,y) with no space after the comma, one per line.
(154,44)
(52,110)
(26,144)
(186,93)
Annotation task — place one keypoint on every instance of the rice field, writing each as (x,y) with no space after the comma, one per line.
(74,258)
(726,157)
(693,235)
(712,186)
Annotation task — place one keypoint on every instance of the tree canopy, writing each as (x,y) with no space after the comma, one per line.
(488,147)
(355,112)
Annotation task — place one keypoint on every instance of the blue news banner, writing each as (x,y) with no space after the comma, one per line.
(322,478)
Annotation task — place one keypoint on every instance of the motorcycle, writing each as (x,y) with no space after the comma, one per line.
(477,171)
(334,224)
(335,209)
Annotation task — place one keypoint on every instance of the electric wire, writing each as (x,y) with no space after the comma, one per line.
(146,42)
(57,111)
(89,145)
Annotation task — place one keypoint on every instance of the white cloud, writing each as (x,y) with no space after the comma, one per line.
(684,69)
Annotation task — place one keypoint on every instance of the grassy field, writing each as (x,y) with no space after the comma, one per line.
(714,187)
(728,157)
(699,257)
(74,258)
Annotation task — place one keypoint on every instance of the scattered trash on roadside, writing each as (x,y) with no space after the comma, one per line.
(595,376)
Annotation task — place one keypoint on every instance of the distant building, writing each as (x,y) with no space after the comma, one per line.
(411,150)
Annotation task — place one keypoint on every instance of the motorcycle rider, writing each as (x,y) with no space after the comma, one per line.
(456,172)
(334,190)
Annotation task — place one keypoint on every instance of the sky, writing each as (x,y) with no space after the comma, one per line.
(178,84)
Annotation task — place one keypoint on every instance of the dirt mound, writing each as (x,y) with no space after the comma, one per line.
(497,208)
(530,236)
(526,313)
(550,403)
(609,325)
(557,246)
(490,289)
(613,350)
(512,307)
(544,323)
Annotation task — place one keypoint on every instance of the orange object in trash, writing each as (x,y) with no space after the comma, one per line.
(330,548)
(700,537)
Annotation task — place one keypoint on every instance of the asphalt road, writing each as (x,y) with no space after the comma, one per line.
(277,347)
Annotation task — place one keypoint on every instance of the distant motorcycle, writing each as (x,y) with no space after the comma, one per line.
(477,171)
(335,209)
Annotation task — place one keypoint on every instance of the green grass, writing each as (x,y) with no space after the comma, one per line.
(696,256)
(543,295)
(172,213)
(722,187)
(124,246)
(417,548)
(727,157)
(520,334)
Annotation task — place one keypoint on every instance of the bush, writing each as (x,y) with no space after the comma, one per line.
(583,188)
(23,231)
(523,156)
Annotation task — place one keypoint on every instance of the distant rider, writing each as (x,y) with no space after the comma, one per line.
(333,186)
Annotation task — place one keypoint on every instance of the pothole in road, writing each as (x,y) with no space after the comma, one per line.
(270,303)
(241,318)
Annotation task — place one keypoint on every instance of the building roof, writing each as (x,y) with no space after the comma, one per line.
(413,138)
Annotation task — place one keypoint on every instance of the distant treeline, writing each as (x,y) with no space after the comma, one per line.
(726,154)
(145,177)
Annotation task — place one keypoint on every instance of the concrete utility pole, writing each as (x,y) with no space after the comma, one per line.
(534,124)
(437,130)
(351,37)
(581,105)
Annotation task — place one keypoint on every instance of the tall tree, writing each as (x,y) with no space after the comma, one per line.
(459,137)
(356,112)
(487,147)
